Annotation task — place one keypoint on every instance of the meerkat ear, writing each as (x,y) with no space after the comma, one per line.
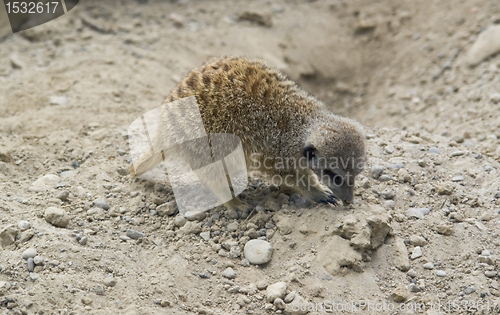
(309,152)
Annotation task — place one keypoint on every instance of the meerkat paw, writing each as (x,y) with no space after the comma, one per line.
(324,195)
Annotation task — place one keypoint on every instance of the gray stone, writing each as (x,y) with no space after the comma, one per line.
(279,304)
(24,225)
(109,281)
(412,273)
(276,290)
(167,209)
(38,260)
(417,253)
(490,273)
(45,183)
(205,235)
(457,179)
(179,221)
(229,273)
(8,235)
(429,266)
(63,195)
(441,273)
(99,289)
(486,45)
(485,252)
(258,252)
(401,255)
(204,275)
(58,100)
(417,240)
(376,171)
(31,264)
(135,235)
(289,297)
(57,217)
(101,203)
(384,178)
(434,150)
(469,290)
(29,253)
(233,226)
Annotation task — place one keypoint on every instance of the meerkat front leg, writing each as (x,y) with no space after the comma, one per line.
(309,185)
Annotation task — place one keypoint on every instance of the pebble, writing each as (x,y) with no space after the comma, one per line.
(8,235)
(445,229)
(87,301)
(24,225)
(457,153)
(31,264)
(63,195)
(441,273)
(83,240)
(45,182)
(399,294)
(233,226)
(57,217)
(34,276)
(135,235)
(205,235)
(261,285)
(179,221)
(415,288)
(412,273)
(457,179)
(487,44)
(490,273)
(429,266)
(434,150)
(29,253)
(58,100)
(99,289)
(109,281)
(376,171)
(290,297)
(229,273)
(485,252)
(417,253)
(390,204)
(495,98)
(101,203)
(258,251)
(279,303)
(417,240)
(469,290)
(167,209)
(38,260)
(276,290)
(16,62)
(418,213)
(384,178)
(204,275)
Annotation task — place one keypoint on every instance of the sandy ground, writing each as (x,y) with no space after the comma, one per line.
(424,226)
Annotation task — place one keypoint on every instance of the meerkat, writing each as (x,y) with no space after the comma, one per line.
(286,134)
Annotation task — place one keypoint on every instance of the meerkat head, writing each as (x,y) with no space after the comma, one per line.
(335,151)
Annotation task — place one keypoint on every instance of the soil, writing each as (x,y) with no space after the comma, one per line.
(429,195)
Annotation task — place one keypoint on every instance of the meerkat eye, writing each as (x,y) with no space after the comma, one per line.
(309,152)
